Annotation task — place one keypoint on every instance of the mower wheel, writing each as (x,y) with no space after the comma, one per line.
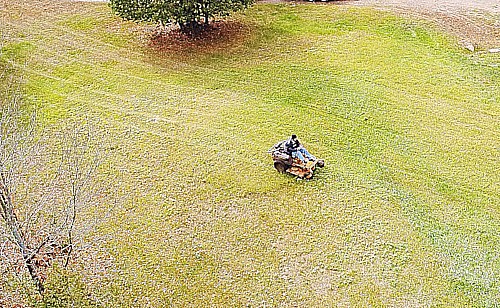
(280,166)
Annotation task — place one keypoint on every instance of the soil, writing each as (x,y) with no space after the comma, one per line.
(220,35)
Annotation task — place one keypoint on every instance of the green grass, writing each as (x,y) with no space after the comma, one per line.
(404,214)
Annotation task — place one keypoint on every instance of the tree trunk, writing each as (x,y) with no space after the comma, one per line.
(206,13)
(13,225)
(34,275)
(191,27)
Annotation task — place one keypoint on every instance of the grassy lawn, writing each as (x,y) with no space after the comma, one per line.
(405,213)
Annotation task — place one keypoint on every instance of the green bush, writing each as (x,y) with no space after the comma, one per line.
(187,14)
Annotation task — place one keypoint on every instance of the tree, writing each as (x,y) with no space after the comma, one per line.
(190,15)
(43,190)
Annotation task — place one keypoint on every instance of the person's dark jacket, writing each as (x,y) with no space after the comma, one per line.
(292,145)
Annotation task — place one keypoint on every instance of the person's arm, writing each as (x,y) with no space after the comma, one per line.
(293,149)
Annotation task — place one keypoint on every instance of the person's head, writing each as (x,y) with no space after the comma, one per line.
(294,137)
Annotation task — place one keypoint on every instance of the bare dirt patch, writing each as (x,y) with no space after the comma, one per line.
(219,36)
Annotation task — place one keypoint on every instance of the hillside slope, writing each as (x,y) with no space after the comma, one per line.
(404,214)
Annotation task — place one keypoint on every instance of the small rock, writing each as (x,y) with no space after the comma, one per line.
(494,50)
(469,46)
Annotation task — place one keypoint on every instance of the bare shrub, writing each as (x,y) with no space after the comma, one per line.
(46,194)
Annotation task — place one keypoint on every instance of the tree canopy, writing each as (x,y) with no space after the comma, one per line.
(190,15)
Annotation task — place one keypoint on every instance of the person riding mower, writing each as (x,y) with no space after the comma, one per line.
(292,157)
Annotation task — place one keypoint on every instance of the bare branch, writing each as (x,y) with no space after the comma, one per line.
(45,185)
